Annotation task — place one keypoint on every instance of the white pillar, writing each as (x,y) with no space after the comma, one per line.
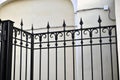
(117,10)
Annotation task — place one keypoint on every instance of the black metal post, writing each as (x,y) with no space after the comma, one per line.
(6,53)
(32,55)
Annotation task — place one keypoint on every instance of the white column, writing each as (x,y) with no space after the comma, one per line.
(117,10)
(76,19)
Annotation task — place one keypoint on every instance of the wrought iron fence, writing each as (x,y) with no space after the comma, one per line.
(53,55)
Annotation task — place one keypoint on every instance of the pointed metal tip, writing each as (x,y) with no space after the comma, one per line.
(21,22)
(32,27)
(99,19)
(64,24)
(81,21)
(48,25)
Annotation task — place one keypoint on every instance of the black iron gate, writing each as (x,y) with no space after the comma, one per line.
(52,54)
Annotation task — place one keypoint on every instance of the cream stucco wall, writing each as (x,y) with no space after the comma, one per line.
(38,12)
(93,14)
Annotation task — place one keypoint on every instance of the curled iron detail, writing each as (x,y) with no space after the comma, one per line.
(60,34)
(51,35)
(24,34)
(44,36)
(36,37)
(95,30)
(104,30)
(85,31)
(77,32)
(68,33)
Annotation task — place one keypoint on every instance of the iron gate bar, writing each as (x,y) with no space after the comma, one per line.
(40,40)
(32,56)
(26,56)
(52,32)
(74,39)
(82,56)
(110,33)
(56,44)
(21,43)
(22,40)
(64,30)
(101,56)
(22,46)
(48,45)
(75,46)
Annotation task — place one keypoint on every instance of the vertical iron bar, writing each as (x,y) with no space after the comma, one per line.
(15,41)
(91,50)
(73,45)
(101,56)
(56,45)
(110,40)
(40,39)
(64,26)
(117,53)
(48,27)
(82,57)
(32,56)
(21,50)
(26,56)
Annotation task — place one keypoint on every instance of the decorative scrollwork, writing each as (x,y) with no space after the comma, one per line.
(90,31)
(77,32)
(60,34)
(36,36)
(104,30)
(68,33)
(109,29)
(44,36)
(51,35)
